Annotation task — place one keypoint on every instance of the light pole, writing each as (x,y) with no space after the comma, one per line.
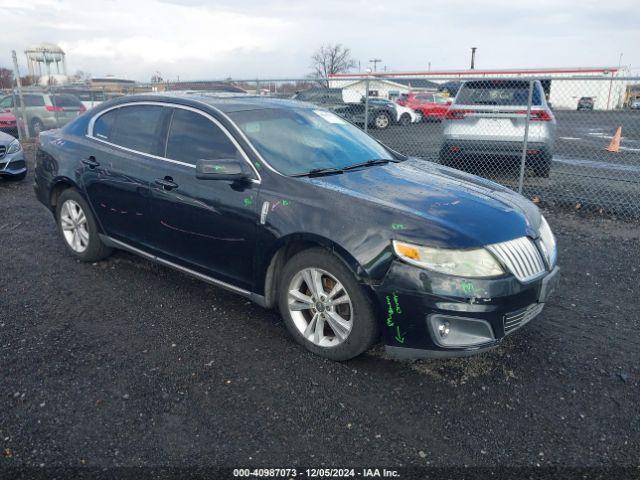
(375,62)
(473,57)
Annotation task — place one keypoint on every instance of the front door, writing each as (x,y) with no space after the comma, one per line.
(118,168)
(205,225)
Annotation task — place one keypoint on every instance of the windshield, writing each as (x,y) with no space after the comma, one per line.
(299,140)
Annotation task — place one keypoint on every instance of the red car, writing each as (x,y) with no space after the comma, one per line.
(432,106)
(8,123)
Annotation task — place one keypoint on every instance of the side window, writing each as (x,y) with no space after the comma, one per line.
(6,102)
(138,128)
(33,101)
(104,123)
(193,137)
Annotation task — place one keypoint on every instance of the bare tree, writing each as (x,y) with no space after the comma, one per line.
(329,60)
(6,78)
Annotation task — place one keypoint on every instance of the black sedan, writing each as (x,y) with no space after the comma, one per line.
(293,207)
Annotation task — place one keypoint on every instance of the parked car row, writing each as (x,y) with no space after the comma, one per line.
(410,108)
(44,110)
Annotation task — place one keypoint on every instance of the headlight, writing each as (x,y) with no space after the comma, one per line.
(14,147)
(548,243)
(463,263)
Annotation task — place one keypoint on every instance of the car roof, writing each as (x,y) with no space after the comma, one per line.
(226,102)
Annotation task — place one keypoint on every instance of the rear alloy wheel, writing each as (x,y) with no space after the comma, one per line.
(323,306)
(381,121)
(78,228)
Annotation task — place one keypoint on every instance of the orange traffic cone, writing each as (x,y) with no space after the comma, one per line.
(614,146)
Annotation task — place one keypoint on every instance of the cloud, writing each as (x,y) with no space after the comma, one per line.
(197,39)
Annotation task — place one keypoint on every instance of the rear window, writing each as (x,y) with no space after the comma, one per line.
(65,101)
(500,92)
(138,128)
(32,100)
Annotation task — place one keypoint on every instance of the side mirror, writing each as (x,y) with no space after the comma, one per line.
(223,169)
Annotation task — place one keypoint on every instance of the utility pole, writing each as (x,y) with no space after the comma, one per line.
(23,128)
(473,57)
(375,62)
(429,67)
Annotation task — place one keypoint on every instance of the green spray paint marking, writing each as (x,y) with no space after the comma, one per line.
(217,168)
(399,337)
(468,287)
(285,203)
(248,202)
(258,165)
(397,304)
(397,226)
(393,308)
(390,311)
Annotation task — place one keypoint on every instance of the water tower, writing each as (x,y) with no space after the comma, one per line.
(41,57)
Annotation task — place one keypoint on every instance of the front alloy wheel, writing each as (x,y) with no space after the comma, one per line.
(324,306)
(320,307)
(381,121)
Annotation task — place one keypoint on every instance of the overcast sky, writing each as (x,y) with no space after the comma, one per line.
(196,39)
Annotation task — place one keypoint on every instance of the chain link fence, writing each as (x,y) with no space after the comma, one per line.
(571,141)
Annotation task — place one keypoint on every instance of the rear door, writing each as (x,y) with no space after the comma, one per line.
(205,225)
(119,167)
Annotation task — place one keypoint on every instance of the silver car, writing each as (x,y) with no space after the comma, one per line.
(45,110)
(12,163)
(486,123)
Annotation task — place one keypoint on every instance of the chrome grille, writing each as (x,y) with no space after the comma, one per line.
(515,320)
(521,257)
(3,150)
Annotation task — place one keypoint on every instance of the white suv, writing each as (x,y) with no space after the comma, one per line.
(487,120)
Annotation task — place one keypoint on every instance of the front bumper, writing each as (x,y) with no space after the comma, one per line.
(413,301)
(482,150)
(13,164)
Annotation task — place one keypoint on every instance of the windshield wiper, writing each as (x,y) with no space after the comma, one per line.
(369,163)
(317,172)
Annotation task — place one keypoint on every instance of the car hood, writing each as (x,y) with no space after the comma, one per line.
(438,205)
(5,138)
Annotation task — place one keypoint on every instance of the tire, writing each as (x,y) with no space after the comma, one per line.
(36,127)
(381,121)
(358,313)
(446,159)
(90,249)
(542,167)
(405,119)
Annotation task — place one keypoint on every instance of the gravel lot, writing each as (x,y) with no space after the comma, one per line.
(127,363)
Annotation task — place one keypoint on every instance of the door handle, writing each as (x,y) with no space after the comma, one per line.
(91,162)
(167,183)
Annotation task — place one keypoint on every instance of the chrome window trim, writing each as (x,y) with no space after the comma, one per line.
(170,160)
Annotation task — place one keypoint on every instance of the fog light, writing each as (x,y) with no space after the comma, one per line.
(448,331)
(443,328)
